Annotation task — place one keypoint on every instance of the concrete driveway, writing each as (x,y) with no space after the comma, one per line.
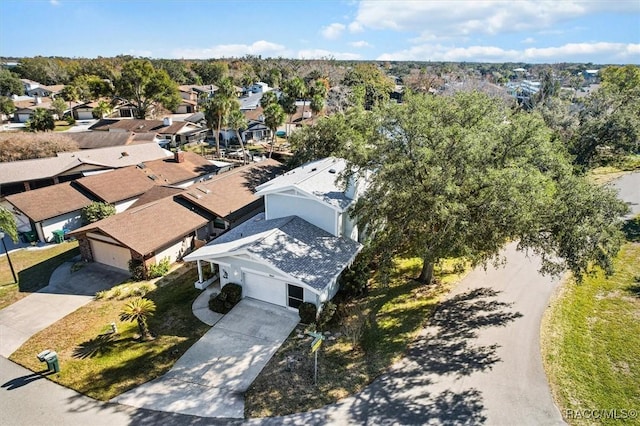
(66,292)
(210,378)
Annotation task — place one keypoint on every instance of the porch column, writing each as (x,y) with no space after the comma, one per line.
(200,280)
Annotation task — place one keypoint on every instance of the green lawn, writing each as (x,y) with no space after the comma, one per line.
(372,333)
(591,342)
(103,365)
(33,268)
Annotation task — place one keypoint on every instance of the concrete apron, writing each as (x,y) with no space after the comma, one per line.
(209,380)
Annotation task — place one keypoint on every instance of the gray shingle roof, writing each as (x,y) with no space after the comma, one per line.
(319,178)
(290,244)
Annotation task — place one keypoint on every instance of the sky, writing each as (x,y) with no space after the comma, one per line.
(530,31)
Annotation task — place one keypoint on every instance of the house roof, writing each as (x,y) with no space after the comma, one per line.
(92,140)
(230,191)
(117,185)
(51,201)
(140,228)
(139,126)
(290,244)
(317,178)
(101,158)
(156,193)
(172,172)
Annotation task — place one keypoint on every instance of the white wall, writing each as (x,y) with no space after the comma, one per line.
(123,205)
(176,250)
(314,212)
(70,221)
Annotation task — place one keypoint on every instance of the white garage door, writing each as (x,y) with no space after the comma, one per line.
(111,255)
(85,115)
(263,288)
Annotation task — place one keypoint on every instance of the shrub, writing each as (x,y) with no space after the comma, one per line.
(97,211)
(307,312)
(228,297)
(353,281)
(71,121)
(137,269)
(354,324)
(160,269)
(326,314)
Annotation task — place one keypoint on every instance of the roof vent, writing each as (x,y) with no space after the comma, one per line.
(141,165)
(194,195)
(124,153)
(153,177)
(205,190)
(314,169)
(332,171)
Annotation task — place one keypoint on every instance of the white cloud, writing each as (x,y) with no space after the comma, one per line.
(360,44)
(463,18)
(571,52)
(54,2)
(356,27)
(529,40)
(261,47)
(323,54)
(332,31)
(140,52)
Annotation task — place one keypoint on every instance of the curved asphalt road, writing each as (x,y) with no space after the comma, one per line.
(478,362)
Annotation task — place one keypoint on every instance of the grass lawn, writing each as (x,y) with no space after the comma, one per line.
(61,126)
(33,268)
(368,334)
(591,341)
(103,365)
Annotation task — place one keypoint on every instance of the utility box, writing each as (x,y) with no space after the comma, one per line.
(58,236)
(51,358)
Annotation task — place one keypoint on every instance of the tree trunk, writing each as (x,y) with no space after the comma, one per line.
(244,155)
(426,275)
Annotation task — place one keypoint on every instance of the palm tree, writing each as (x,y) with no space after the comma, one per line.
(139,309)
(274,116)
(317,105)
(218,107)
(103,109)
(237,121)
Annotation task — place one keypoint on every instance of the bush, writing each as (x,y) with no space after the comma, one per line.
(326,314)
(160,269)
(71,121)
(97,211)
(354,280)
(137,269)
(307,312)
(228,297)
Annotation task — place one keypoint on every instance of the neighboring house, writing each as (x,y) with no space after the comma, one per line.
(159,226)
(174,133)
(44,210)
(202,92)
(94,140)
(122,188)
(140,233)
(33,88)
(19,176)
(295,251)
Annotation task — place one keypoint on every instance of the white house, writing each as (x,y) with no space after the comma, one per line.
(298,248)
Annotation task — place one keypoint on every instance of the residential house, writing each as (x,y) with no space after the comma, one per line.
(295,251)
(173,133)
(122,188)
(33,88)
(171,226)
(202,92)
(94,140)
(48,209)
(26,106)
(25,175)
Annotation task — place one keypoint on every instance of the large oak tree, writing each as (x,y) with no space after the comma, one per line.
(143,86)
(460,176)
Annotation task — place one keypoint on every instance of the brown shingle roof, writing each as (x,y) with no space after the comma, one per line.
(156,193)
(171,172)
(139,126)
(117,185)
(141,229)
(231,191)
(50,201)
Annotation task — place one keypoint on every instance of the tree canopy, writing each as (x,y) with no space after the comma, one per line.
(143,85)
(10,83)
(41,121)
(97,211)
(8,224)
(460,176)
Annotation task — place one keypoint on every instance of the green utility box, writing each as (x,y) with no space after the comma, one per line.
(58,236)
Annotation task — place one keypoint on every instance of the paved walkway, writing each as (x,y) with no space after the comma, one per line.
(65,293)
(210,378)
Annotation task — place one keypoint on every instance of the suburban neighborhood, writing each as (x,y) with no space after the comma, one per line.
(403,216)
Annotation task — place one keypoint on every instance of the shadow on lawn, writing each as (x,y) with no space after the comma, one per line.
(37,276)
(407,394)
(101,345)
(631,229)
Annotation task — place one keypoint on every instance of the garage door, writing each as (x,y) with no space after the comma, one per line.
(263,288)
(85,115)
(111,255)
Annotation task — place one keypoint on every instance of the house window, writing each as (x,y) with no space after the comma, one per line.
(296,296)
(219,223)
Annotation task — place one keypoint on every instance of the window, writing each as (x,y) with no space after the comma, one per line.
(296,296)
